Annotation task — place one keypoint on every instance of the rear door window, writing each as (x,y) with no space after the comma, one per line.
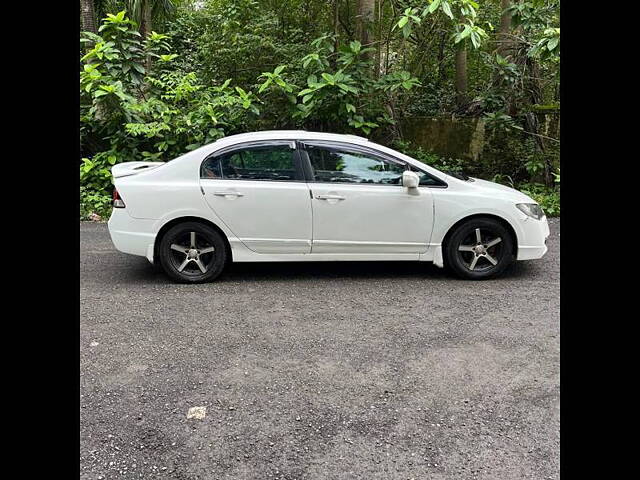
(263,162)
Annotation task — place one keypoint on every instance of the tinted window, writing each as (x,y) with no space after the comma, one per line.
(428,180)
(337,165)
(271,162)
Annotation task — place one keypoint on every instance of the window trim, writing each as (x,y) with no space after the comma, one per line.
(308,169)
(297,160)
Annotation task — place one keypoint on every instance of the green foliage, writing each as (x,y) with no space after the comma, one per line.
(444,164)
(276,79)
(408,17)
(461,12)
(535,164)
(350,96)
(95,173)
(507,152)
(134,114)
(214,68)
(506,72)
(547,197)
(500,122)
(159,9)
(241,39)
(93,203)
(548,45)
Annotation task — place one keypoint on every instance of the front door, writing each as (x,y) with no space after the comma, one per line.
(360,206)
(258,191)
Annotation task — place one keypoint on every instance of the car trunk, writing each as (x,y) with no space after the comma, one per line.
(133,168)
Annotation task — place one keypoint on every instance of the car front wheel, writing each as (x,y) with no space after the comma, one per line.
(192,252)
(479,248)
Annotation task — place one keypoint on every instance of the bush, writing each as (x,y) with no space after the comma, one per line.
(94,203)
(547,197)
(133,109)
(446,165)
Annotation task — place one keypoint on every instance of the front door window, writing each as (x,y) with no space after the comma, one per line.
(332,165)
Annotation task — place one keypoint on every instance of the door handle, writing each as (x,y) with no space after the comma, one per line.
(330,197)
(227,193)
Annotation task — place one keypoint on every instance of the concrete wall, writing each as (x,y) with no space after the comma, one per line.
(448,137)
(467,138)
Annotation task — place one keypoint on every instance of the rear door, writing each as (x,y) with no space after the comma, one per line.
(259,192)
(359,203)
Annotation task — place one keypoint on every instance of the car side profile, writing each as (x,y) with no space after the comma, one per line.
(291,195)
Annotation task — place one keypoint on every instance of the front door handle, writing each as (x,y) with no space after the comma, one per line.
(227,193)
(330,197)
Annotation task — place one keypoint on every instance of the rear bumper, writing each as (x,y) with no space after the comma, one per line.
(533,243)
(132,235)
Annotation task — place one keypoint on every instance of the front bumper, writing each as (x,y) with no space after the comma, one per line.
(132,235)
(533,241)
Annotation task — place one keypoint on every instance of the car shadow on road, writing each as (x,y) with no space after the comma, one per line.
(300,271)
(349,270)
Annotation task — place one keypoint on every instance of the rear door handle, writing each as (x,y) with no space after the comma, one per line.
(330,197)
(227,193)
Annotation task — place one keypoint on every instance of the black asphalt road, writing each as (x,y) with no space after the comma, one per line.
(318,370)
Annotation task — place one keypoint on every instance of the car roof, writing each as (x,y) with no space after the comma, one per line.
(289,134)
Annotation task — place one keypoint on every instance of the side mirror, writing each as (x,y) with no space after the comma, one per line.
(410,179)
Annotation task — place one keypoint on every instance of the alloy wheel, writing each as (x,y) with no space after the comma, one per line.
(192,253)
(481,250)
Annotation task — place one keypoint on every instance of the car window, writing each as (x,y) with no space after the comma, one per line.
(340,165)
(268,162)
(427,179)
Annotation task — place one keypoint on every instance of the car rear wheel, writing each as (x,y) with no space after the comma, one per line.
(192,252)
(479,248)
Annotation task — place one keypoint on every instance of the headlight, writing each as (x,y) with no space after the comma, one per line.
(531,210)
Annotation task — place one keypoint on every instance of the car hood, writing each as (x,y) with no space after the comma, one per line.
(496,189)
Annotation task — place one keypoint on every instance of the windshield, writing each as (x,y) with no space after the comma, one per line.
(458,175)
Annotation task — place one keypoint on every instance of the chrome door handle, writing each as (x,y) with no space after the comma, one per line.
(330,197)
(228,194)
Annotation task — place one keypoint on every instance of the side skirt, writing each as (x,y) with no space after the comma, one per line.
(241,253)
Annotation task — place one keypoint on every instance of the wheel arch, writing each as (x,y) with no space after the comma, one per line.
(498,218)
(190,218)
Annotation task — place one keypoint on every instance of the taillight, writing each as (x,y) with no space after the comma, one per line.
(117,201)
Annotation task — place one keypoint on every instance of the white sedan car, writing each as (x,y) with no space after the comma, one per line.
(280,196)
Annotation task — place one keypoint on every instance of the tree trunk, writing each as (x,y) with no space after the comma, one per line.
(443,40)
(378,37)
(146,23)
(87,16)
(364,20)
(146,28)
(531,120)
(505,45)
(505,48)
(336,20)
(461,75)
(336,31)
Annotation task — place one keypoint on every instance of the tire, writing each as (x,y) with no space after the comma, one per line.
(184,263)
(474,260)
